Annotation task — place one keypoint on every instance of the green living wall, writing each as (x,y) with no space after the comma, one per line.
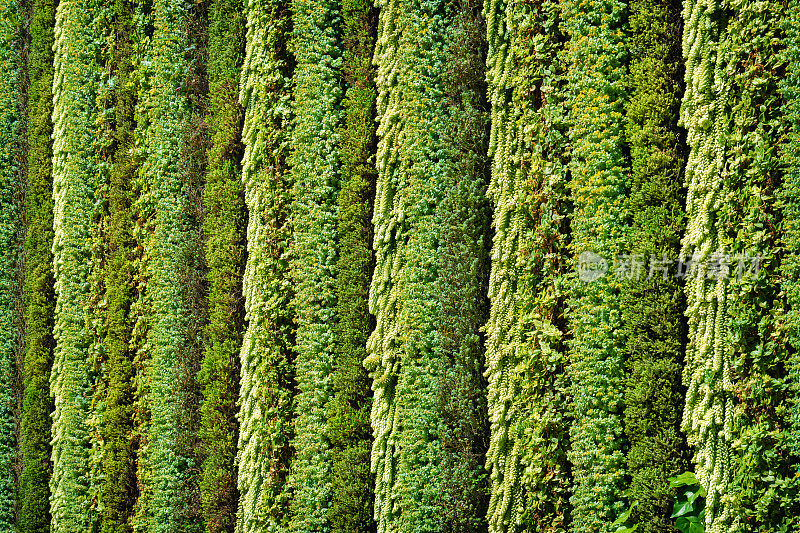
(265,408)
(224,225)
(525,348)
(425,354)
(11,122)
(34,492)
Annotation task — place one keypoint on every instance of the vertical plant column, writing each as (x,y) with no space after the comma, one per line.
(596,56)
(11,18)
(526,355)
(764,487)
(790,207)
(224,224)
(118,483)
(348,426)
(169,468)
(266,360)
(315,185)
(424,356)
(34,492)
(652,321)
(76,193)
(708,413)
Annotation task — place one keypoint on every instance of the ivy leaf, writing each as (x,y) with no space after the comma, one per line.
(687,478)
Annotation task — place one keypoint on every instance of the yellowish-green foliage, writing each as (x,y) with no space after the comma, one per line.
(708,413)
(424,355)
(76,193)
(525,357)
(595,57)
(265,408)
(168,472)
(315,186)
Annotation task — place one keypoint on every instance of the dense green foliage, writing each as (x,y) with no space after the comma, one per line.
(224,225)
(425,354)
(265,413)
(115,388)
(764,486)
(790,196)
(34,492)
(525,349)
(11,122)
(76,187)
(595,57)
(169,467)
(652,307)
(315,185)
(708,414)
(348,425)
(201,330)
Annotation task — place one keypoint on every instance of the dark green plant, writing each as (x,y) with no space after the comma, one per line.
(689,509)
(11,173)
(117,491)
(224,226)
(764,491)
(652,317)
(790,210)
(39,295)
(348,426)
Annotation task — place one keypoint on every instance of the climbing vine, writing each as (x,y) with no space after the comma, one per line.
(265,409)
(525,348)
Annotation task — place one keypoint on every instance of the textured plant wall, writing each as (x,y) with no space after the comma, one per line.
(526,357)
(595,58)
(39,296)
(11,122)
(790,209)
(168,471)
(76,192)
(652,303)
(315,173)
(115,390)
(265,409)
(425,355)
(348,423)
(708,414)
(764,489)
(225,223)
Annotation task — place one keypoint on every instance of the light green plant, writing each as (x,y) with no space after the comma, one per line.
(266,360)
